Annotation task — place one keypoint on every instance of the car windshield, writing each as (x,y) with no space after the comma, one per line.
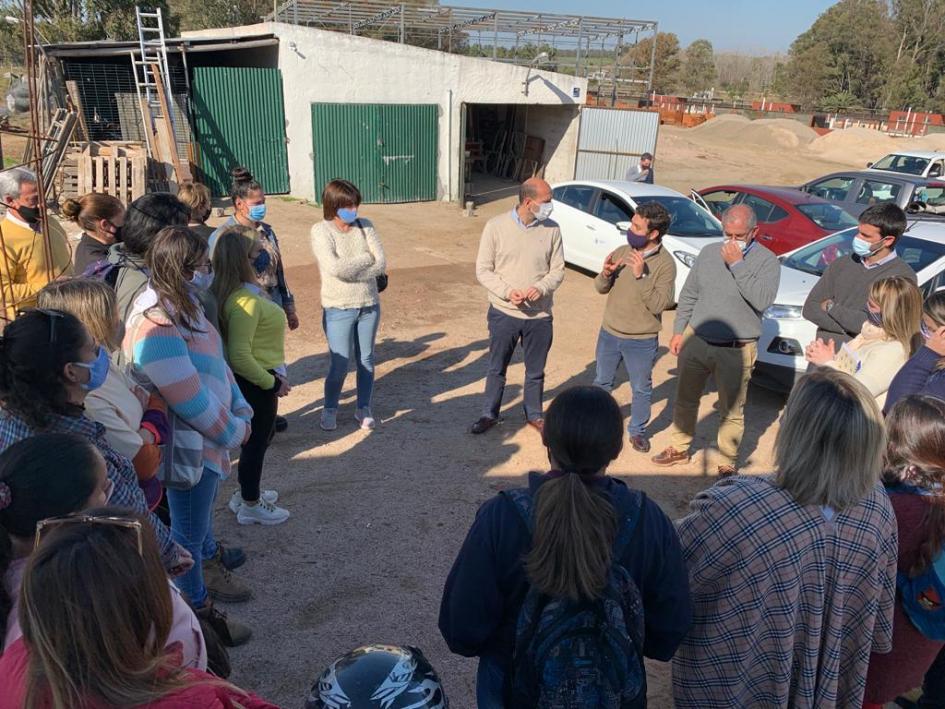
(827,216)
(906,164)
(814,258)
(688,218)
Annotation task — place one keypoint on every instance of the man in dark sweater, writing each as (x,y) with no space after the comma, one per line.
(716,332)
(638,280)
(837,304)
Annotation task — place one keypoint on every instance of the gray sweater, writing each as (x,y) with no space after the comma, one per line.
(724,303)
(847,283)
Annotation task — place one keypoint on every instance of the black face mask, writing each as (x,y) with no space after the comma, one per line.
(117,234)
(29,214)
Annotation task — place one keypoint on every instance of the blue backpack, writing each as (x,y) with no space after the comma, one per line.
(923,596)
(582,654)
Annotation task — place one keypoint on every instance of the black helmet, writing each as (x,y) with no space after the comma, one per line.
(378,677)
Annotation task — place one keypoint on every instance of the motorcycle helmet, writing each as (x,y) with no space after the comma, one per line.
(378,677)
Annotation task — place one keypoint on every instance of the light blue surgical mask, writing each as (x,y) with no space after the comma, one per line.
(924,330)
(257,212)
(347,215)
(201,282)
(98,370)
(861,247)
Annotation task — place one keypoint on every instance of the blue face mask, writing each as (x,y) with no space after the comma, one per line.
(348,216)
(257,212)
(924,330)
(98,370)
(262,261)
(874,317)
(863,248)
(201,281)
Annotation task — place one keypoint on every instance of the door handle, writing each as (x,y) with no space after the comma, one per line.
(766,237)
(588,226)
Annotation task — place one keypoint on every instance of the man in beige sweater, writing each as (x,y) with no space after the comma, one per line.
(520,264)
(638,280)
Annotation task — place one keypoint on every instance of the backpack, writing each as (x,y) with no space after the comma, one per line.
(923,596)
(581,654)
(103,270)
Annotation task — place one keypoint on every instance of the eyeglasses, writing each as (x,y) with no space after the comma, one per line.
(79,518)
(53,316)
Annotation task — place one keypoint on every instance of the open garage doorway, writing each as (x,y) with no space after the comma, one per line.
(505,144)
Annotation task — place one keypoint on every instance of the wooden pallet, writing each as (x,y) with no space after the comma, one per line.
(122,170)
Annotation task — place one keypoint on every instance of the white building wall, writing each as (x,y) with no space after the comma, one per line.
(331,67)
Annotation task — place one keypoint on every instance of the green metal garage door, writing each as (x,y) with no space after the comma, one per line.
(387,150)
(239,117)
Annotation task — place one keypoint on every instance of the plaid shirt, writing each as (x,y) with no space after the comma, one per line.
(121,472)
(788,604)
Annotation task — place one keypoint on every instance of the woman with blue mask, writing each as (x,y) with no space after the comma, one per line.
(886,339)
(924,373)
(249,210)
(135,420)
(253,330)
(49,364)
(350,260)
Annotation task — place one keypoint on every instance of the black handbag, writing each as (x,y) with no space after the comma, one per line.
(381,279)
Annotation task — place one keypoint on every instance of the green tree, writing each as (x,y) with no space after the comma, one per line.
(86,20)
(699,72)
(846,51)
(665,66)
(915,74)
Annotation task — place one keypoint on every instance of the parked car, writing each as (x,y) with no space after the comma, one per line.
(785,332)
(858,189)
(921,164)
(787,218)
(588,212)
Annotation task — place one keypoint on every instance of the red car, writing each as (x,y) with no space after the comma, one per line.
(787,218)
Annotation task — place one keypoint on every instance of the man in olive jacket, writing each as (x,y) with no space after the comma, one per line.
(639,280)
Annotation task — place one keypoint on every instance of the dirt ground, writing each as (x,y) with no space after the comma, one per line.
(378,518)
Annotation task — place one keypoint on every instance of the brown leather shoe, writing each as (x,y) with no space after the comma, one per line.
(727,471)
(230,632)
(537,424)
(221,584)
(641,444)
(671,456)
(483,424)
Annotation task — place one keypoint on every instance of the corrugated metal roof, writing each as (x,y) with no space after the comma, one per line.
(239,117)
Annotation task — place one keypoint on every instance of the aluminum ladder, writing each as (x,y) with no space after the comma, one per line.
(150,67)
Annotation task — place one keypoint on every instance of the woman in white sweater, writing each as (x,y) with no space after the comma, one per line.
(350,260)
(886,341)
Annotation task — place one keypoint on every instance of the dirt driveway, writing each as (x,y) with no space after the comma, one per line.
(377,519)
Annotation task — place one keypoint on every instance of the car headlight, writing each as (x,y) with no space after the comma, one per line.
(785,312)
(686,258)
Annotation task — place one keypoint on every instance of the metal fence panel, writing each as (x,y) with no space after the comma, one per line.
(611,141)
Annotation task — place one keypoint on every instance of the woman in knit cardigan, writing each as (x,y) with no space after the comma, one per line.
(350,259)
(886,341)
(173,347)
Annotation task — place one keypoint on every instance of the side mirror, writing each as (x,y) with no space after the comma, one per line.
(623,226)
(869,165)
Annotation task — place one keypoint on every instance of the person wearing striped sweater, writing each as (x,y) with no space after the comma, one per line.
(171,344)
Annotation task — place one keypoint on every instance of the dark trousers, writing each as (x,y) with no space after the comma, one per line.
(505,332)
(933,688)
(263,426)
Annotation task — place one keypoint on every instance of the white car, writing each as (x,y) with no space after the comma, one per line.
(921,164)
(588,212)
(784,331)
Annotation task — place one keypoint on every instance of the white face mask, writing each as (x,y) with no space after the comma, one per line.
(544,211)
(742,245)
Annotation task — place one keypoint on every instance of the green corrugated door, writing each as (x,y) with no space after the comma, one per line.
(387,150)
(240,120)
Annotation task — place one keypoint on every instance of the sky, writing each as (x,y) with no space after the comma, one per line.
(750,26)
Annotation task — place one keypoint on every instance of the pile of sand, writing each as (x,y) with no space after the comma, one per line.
(854,146)
(778,133)
(933,141)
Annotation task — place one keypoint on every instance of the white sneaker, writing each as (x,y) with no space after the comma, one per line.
(236,499)
(329,420)
(262,513)
(364,416)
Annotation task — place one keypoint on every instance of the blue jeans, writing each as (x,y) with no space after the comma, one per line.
(490,679)
(192,528)
(638,357)
(347,330)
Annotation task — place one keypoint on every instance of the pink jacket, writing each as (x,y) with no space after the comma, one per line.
(185,631)
(203,694)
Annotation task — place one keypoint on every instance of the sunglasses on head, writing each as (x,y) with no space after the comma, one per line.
(79,518)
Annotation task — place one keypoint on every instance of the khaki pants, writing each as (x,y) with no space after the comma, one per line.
(731,367)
